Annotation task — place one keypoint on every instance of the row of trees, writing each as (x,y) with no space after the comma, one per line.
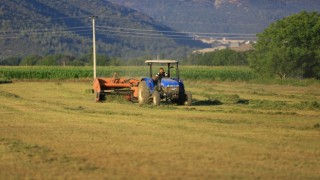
(225,57)
(59,60)
(68,60)
(289,48)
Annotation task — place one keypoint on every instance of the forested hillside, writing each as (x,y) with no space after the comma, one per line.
(63,27)
(220,16)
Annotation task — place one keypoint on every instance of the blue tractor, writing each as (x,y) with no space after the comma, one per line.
(169,88)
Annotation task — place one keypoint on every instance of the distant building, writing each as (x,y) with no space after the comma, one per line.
(207,50)
(243,48)
(236,46)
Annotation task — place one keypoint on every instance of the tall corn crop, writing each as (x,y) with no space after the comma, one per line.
(62,73)
(217,73)
(53,73)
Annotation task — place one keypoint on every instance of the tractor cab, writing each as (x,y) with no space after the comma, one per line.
(172,68)
(170,77)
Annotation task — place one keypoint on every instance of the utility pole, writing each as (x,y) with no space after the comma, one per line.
(94,46)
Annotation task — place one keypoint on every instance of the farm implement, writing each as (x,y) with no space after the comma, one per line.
(147,89)
(115,86)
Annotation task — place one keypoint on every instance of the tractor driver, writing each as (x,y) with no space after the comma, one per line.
(161,74)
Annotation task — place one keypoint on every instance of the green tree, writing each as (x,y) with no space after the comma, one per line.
(10,61)
(289,47)
(225,57)
(30,60)
(50,60)
(114,62)
(102,60)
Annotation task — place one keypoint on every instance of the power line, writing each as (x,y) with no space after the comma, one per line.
(159,37)
(44,19)
(158,20)
(121,31)
(127,30)
(141,34)
(46,30)
(176,32)
(45,34)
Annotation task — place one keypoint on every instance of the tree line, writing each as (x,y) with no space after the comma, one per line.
(59,60)
(289,47)
(226,57)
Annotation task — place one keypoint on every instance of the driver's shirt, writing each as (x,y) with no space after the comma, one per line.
(161,75)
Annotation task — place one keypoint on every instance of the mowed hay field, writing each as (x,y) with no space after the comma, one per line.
(234,130)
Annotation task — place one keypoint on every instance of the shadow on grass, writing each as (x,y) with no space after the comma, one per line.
(216,102)
(5,82)
(243,101)
(206,102)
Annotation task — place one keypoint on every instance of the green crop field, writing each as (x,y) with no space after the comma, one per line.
(60,73)
(234,130)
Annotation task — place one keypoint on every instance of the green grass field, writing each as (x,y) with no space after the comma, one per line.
(234,130)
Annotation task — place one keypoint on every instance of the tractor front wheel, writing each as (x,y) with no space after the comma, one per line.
(156,98)
(143,93)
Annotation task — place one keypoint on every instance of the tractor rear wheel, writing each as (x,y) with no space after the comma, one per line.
(188,99)
(143,93)
(181,99)
(156,98)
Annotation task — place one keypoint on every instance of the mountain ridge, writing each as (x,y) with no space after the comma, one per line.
(220,16)
(49,27)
